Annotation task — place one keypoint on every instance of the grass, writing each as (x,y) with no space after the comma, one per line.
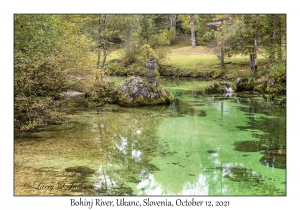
(204,58)
(116,54)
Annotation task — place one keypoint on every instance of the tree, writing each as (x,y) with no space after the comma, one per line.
(104,30)
(275,37)
(193,37)
(46,48)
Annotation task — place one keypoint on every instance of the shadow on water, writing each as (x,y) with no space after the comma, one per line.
(270,120)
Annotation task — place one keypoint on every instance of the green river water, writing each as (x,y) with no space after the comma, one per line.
(203,144)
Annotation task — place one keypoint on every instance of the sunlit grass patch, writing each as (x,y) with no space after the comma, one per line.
(188,50)
(193,61)
(116,54)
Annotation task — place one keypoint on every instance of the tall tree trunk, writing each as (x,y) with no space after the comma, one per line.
(253,57)
(105,53)
(272,40)
(279,37)
(173,27)
(222,57)
(192,30)
(128,42)
(253,65)
(145,27)
(99,56)
(105,42)
(99,42)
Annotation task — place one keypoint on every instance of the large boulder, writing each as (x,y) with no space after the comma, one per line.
(137,91)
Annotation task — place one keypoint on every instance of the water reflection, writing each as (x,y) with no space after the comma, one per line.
(200,145)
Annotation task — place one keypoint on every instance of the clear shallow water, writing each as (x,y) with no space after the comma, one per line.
(200,145)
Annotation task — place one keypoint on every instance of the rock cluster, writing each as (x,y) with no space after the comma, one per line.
(137,91)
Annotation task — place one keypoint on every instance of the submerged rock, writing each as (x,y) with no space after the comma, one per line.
(274,161)
(274,158)
(80,169)
(180,108)
(248,146)
(137,91)
(237,174)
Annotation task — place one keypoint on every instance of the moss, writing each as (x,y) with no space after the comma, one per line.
(244,84)
(219,87)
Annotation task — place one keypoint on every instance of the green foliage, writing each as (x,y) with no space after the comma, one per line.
(239,37)
(135,70)
(277,80)
(135,60)
(115,68)
(144,53)
(162,55)
(201,27)
(161,39)
(183,72)
(34,112)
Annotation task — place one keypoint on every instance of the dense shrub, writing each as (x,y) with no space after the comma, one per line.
(46,49)
(100,93)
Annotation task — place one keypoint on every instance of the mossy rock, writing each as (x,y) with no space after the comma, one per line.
(217,87)
(137,91)
(214,88)
(244,84)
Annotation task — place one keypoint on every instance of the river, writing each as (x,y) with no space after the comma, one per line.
(202,144)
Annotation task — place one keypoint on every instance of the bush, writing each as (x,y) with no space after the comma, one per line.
(101,93)
(33,112)
(277,80)
(134,62)
(162,39)
(35,87)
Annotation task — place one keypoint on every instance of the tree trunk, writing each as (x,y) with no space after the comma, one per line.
(253,63)
(172,21)
(222,57)
(173,27)
(105,52)
(128,42)
(192,31)
(99,42)
(253,57)
(99,56)
(279,43)
(104,41)
(272,40)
